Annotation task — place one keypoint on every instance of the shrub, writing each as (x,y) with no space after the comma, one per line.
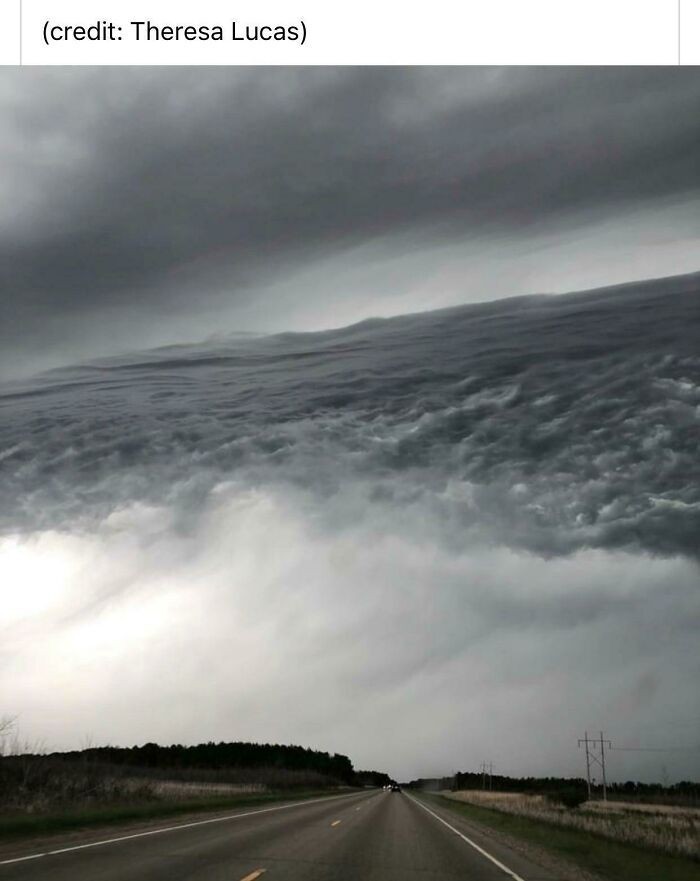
(568,798)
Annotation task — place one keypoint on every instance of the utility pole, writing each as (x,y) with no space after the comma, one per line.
(484,770)
(602,764)
(592,757)
(588,763)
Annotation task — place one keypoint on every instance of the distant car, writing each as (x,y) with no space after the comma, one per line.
(395,787)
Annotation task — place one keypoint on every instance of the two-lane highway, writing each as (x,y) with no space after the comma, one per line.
(368,835)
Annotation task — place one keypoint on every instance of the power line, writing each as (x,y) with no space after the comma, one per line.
(590,745)
(656,749)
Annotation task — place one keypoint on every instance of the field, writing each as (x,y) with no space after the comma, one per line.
(46,794)
(670,830)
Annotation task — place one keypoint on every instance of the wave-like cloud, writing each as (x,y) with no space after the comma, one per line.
(549,424)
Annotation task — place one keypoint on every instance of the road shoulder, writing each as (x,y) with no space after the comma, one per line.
(577,855)
(516,853)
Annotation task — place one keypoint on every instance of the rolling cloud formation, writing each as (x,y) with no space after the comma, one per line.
(553,423)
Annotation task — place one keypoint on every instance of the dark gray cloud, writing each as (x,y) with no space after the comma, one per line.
(554,423)
(137,196)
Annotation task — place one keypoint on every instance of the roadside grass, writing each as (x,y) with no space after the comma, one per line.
(611,860)
(15,826)
(674,831)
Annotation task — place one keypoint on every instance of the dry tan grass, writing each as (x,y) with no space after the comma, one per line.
(667,829)
(36,783)
(179,789)
(642,807)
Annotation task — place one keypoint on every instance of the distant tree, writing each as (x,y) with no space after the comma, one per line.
(8,728)
(372,778)
(568,797)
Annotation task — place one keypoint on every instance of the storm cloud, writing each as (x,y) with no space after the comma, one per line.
(553,423)
(400,510)
(268,490)
(145,205)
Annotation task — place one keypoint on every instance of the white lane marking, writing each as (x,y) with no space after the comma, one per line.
(49,853)
(335,823)
(253,875)
(469,841)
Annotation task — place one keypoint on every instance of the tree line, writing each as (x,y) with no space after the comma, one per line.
(685,789)
(220,756)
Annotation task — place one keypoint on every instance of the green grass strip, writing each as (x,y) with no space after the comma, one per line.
(22,826)
(612,860)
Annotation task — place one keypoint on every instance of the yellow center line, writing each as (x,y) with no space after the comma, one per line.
(253,875)
(335,823)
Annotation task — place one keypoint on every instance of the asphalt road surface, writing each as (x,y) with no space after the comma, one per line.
(372,835)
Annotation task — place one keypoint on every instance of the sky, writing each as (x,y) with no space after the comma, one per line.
(425,541)
(147,206)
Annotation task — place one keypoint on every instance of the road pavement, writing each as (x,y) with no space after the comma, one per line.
(372,835)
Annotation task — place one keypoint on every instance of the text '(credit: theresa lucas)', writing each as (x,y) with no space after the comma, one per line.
(147,31)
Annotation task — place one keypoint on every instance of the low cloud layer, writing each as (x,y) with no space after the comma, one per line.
(553,423)
(265,624)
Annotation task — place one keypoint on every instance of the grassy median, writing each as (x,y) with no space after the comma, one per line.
(613,861)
